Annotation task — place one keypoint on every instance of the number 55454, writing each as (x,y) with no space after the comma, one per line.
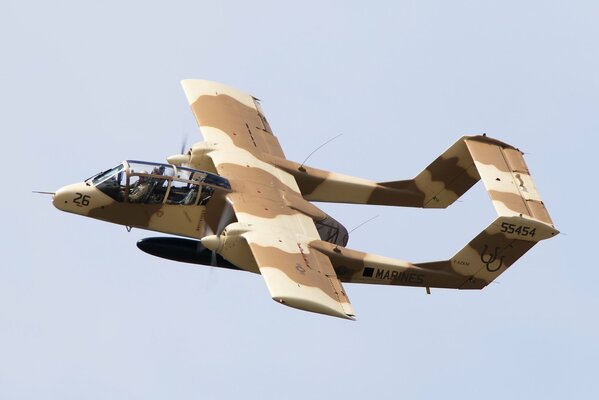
(520,230)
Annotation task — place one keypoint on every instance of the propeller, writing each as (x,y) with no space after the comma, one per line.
(183,156)
(212,240)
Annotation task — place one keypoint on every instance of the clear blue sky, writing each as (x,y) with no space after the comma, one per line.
(85,315)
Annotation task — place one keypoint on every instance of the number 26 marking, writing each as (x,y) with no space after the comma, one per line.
(520,230)
(81,199)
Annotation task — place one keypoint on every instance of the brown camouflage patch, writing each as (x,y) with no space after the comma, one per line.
(247,130)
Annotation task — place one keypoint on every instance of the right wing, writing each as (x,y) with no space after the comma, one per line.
(220,109)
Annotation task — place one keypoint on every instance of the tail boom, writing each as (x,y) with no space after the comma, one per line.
(358,267)
(522,220)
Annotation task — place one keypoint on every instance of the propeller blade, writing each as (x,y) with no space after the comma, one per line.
(184,143)
(225,219)
(208,231)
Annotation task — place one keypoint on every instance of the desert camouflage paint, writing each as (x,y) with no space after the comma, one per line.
(263,221)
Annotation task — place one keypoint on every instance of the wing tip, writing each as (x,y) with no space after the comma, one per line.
(315,307)
(194,88)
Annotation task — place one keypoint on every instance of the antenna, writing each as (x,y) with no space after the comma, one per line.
(301,167)
(363,223)
(336,249)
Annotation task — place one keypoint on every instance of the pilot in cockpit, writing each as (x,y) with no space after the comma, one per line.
(144,188)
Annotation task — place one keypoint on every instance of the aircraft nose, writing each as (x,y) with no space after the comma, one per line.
(59,200)
(72,198)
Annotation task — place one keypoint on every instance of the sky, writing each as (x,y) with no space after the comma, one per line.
(84,85)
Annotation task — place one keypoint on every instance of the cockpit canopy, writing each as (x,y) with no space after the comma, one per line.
(153,183)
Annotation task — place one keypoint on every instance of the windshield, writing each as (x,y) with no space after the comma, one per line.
(102,176)
(111,182)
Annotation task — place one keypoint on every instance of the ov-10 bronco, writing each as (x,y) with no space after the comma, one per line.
(242,205)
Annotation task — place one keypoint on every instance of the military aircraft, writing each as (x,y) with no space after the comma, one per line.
(236,202)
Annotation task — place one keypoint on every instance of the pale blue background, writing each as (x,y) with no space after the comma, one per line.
(85,315)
